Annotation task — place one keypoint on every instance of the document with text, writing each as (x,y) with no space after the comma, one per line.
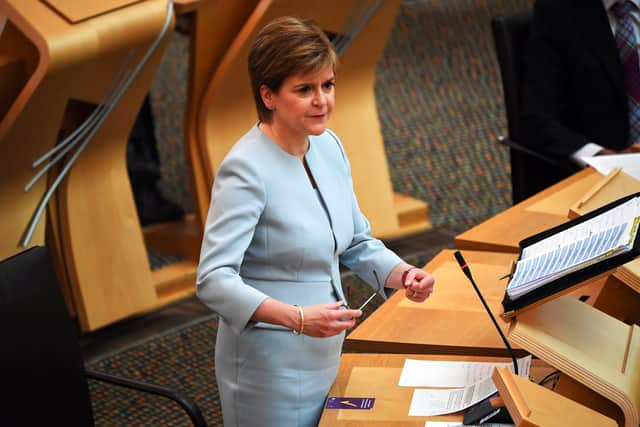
(431,402)
(435,373)
(606,235)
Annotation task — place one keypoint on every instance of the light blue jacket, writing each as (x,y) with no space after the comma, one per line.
(270,234)
(267,233)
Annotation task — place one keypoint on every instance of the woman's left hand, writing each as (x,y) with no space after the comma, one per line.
(418,284)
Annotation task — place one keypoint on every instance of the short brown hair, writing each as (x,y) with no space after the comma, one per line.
(284,47)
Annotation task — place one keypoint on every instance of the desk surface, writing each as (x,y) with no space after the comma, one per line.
(377,375)
(546,209)
(451,321)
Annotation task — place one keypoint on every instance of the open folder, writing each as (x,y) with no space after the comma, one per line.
(559,258)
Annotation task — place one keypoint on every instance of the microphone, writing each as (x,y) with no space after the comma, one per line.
(467,272)
(519,147)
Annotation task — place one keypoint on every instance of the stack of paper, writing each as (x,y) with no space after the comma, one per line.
(591,241)
(472,382)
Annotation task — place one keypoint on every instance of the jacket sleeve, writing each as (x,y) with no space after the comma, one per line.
(366,256)
(237,201)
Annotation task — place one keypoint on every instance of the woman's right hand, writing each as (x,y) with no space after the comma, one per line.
(327,320)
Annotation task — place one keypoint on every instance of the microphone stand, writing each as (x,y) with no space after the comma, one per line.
(467,272)
(485,410)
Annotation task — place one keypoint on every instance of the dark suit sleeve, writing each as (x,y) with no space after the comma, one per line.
(545,87)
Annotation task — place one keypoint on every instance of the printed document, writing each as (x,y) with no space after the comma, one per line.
(598,238)
(434,373)
(430,402)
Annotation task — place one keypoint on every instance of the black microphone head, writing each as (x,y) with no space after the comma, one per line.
(460,259)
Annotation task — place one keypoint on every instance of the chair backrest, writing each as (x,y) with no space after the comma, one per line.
(529,174)
(41,368)
(510,36)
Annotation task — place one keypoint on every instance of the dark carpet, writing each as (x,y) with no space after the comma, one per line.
(440,105)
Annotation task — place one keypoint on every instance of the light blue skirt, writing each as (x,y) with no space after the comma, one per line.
(269,377)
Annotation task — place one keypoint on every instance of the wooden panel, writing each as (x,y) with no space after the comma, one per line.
(534,405)
(451,321)
(12,76)
(216,24)
(104,244)
(619,300)
(591,347)
(503,232)
(97,226)
(79,10)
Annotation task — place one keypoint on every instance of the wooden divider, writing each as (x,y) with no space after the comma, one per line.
(216,24)
(70,66)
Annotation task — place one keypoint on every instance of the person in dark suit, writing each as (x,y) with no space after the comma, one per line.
(575,98)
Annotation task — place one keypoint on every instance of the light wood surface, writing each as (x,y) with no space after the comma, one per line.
(27,47)
(531,405)
(377,375)
(451,321)
(94,229)
(589,346)
(216,24)
(504,231)
(227,110)
(76,11)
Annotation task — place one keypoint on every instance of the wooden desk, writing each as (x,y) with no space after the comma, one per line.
(451,321)
(376,375)
(546,209)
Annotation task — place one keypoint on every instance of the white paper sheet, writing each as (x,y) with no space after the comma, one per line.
(429,402)
(606,235)
(433,373)
(457,424)
(629,163)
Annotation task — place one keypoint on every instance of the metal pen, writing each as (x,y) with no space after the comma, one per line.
(367,301)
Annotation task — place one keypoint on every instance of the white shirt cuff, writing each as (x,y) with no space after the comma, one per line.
(588,150)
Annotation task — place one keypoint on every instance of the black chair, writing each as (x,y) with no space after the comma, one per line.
(42,375)
(531,171)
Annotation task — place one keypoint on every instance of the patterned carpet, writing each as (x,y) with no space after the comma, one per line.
(440,133)
(440,104)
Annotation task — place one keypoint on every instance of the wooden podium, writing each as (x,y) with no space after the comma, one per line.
(531,405)
(599,353)
(377,375)
(451,321)
(70,62)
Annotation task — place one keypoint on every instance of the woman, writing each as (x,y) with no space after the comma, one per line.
(283,216)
